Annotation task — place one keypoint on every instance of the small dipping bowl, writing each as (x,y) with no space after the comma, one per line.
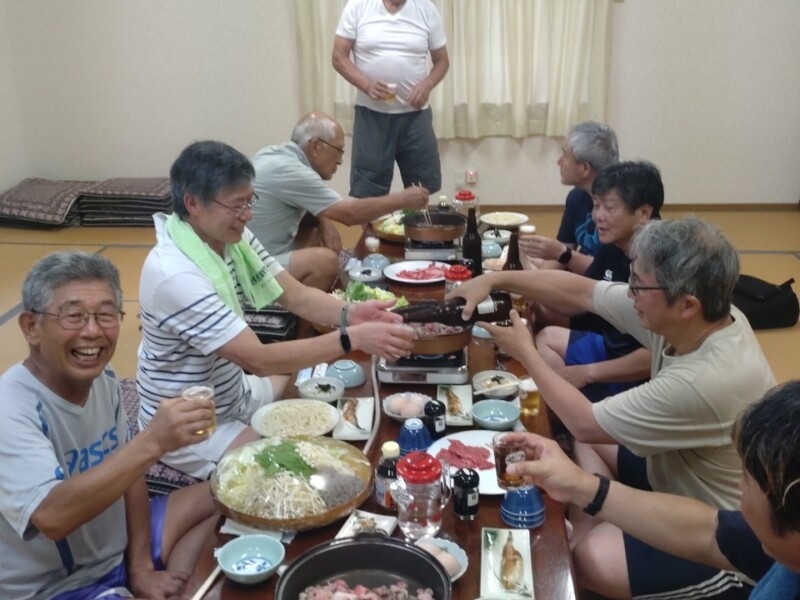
(349,372)
(375,261)
(497,415)
(480,380)
(501,236)
(490,249)
(327,389)
(251,558)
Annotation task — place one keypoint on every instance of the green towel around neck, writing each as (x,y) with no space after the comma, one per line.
(259,286)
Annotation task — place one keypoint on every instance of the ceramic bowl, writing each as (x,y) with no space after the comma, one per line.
(490,249)
(251,558)
(375,261)
(349,372)
(501,236)
(497,415)
(365,274)
(486,380)
(327,389)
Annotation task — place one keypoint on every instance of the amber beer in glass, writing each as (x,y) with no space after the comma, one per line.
(507,450)
(202,392)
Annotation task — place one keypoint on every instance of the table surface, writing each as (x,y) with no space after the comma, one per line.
(552,567)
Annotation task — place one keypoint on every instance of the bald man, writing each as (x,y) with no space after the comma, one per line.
(290,185)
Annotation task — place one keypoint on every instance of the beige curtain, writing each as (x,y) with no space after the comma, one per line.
(517,67)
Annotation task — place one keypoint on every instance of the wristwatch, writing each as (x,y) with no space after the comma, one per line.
(344,339)
(566,256)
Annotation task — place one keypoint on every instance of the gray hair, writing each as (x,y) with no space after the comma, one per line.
(594,143)
(62,268)
(689,256)
(203,169)
(314,126)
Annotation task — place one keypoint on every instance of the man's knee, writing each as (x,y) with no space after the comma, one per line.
(553,339)
(315,267)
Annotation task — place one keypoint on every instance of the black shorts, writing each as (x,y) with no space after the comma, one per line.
(653,574)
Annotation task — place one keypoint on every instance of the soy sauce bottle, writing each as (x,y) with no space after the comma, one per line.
(435,416)
(494,308)
(386,474)
(471,244)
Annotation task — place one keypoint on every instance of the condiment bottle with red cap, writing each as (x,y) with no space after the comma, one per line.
(455,276)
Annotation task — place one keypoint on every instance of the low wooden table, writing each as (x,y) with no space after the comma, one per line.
(552,566)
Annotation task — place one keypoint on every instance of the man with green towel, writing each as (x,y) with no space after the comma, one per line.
(206,265)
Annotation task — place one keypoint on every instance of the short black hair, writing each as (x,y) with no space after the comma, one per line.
(637,182)
(203,169)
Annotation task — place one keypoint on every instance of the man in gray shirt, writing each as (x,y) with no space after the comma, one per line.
(75,520)
(290,185)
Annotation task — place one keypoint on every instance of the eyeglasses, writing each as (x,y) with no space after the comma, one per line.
(79,318)
(238,210)
(635,289)
(337,148)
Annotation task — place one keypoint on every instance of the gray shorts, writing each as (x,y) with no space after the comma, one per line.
(380,140)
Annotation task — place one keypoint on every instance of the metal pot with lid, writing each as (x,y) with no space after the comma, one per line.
(365,560)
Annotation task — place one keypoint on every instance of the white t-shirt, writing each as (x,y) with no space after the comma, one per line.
(287,187)
(184,322)
(681,420)
(45,440)
(392,47)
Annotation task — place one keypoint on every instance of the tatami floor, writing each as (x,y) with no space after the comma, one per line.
(768,242)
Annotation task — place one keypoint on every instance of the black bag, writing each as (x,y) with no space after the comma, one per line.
(766,305)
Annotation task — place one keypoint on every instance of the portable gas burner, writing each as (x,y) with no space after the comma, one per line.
(421,368)
(440,250)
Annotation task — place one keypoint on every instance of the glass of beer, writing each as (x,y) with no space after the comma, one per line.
(529,397)
(507,450)
(392,95)
(202,392)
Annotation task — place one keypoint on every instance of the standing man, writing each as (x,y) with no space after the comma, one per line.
(290,184)
(205,268)
(75,519)
(390,41)
(672,433)
(589,148)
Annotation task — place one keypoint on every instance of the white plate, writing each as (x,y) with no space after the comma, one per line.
(361,521)
(504,219)
(493,542)
(451,547)
(346,430)
(474,437)
(407,397)
(260,418)
(464,393)
(410,265)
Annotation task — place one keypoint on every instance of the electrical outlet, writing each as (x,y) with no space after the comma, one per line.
(472,176)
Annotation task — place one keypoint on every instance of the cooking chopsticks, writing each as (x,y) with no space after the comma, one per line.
(207,583)
(425,210)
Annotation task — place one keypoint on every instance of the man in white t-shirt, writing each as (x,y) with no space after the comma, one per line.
(671,434)
(75,520)
(290,184)
(205,269)
(390,41)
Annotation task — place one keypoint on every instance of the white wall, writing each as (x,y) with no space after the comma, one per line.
(90,89)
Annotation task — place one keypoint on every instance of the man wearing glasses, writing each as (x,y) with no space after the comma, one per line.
(290,182)
(671,434)
(205,269)
(75,520)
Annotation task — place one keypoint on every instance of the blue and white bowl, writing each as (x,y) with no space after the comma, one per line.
(251,558)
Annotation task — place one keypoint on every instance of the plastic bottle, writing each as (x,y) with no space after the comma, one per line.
(494,308)
(471,244)
(386,474)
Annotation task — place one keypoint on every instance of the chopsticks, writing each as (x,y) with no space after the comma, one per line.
(207,583)
(425,210)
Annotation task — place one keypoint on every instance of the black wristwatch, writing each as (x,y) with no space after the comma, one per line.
(566,256)
(600,497)
(344,339)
